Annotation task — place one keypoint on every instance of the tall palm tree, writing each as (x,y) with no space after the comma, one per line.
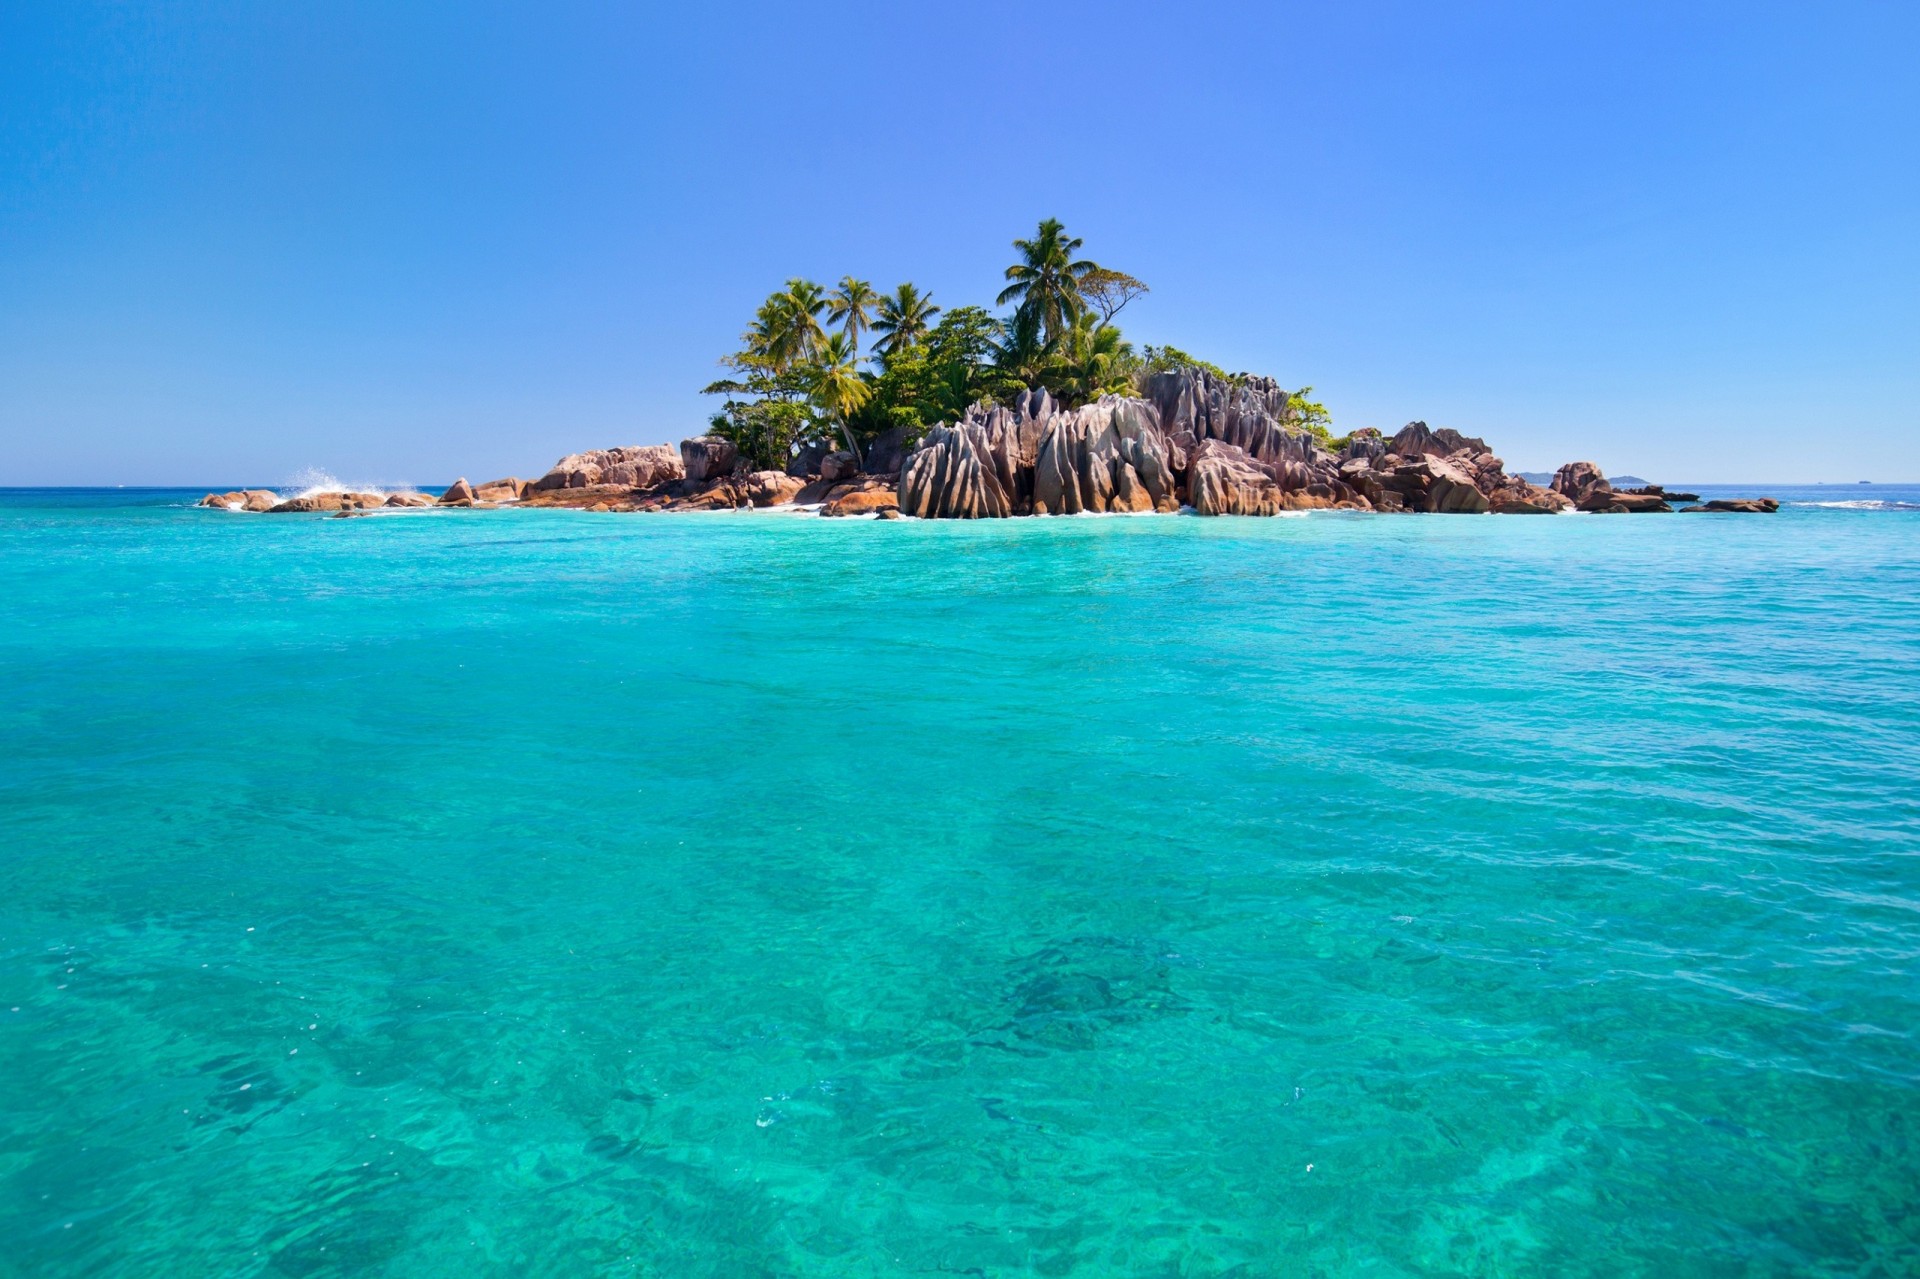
(1022,349)
(848,306)
(786,329)
(1046,279)
(904,318)
(1094,360)
(838,387)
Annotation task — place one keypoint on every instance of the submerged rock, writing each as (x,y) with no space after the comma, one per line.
(1738,506)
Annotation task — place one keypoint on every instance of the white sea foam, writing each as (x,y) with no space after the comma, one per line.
(314,481)
(1862,504)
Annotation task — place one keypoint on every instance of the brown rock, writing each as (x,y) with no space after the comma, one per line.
(866,498)
(1222,479)
(632,466)
(507,490)
(839,465)
(770,488)
(458,491)
(1738,506)
(1579,479)
(328,502)
(707,457)
(409,498)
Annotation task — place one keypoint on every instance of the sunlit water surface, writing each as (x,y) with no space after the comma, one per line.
(555,894)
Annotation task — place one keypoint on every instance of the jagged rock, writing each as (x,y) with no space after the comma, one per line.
(839,465)
(1110,455)
(628,467)
(1738,506)
(507,490)
(807,461)
(707,457)
(1578,479)
(458,491)
(866,496)
(1223,479)
(769,488)
(1415,440)
(888,452)
(952,476)
(242,500)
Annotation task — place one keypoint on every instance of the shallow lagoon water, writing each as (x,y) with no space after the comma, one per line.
(557,894)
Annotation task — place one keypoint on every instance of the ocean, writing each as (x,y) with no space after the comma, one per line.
(552,894)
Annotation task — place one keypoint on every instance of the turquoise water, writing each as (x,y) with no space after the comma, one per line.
(543,893)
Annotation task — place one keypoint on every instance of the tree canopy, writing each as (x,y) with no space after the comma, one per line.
(798,376)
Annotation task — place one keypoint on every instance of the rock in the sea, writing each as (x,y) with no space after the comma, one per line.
(409,499)
(1523,497)
(242,500)
(628,467)
(329,502)
(951,476)
(458,491)
(1738,506)
(1111,455)
(1578,480)
(1612,502)
(1223,479)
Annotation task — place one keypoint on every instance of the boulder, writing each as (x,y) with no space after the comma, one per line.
(888,452)
(458,491)
(328,502)
(1416,440)
(579,499)
(507,490)
(628,467)
(707,457)
(1111,455)
(868,496)
(1579,479)
(1223,479)
(1738,506)
(242,500)
(839,465)
(1613,502)
(806,462)
(1522,497)
(952,476)
(409,499)
(769,488)
(716,495)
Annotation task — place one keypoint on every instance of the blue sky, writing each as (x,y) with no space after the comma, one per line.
(405,242)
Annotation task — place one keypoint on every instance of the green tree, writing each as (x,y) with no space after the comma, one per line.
(786,329)
(1092,360)
(1045,282)
(1109,291)
(849,305)
(904,317)
(838,388)
(1023,351)
(1304,414)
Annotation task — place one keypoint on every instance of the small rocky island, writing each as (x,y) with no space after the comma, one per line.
(1191,440)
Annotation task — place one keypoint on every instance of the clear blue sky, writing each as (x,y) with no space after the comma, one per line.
(404,242)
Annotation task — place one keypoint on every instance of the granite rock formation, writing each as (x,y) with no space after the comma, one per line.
(631,467)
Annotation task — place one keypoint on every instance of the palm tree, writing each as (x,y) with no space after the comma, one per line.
(1095,360)
(905,316)
(1022,349)
(786,329)
(838,387)
(849,306)
(1046,280)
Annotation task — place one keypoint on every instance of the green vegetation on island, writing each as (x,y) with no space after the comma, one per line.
(802,377)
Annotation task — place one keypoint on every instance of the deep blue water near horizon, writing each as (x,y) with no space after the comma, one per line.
(557,894)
